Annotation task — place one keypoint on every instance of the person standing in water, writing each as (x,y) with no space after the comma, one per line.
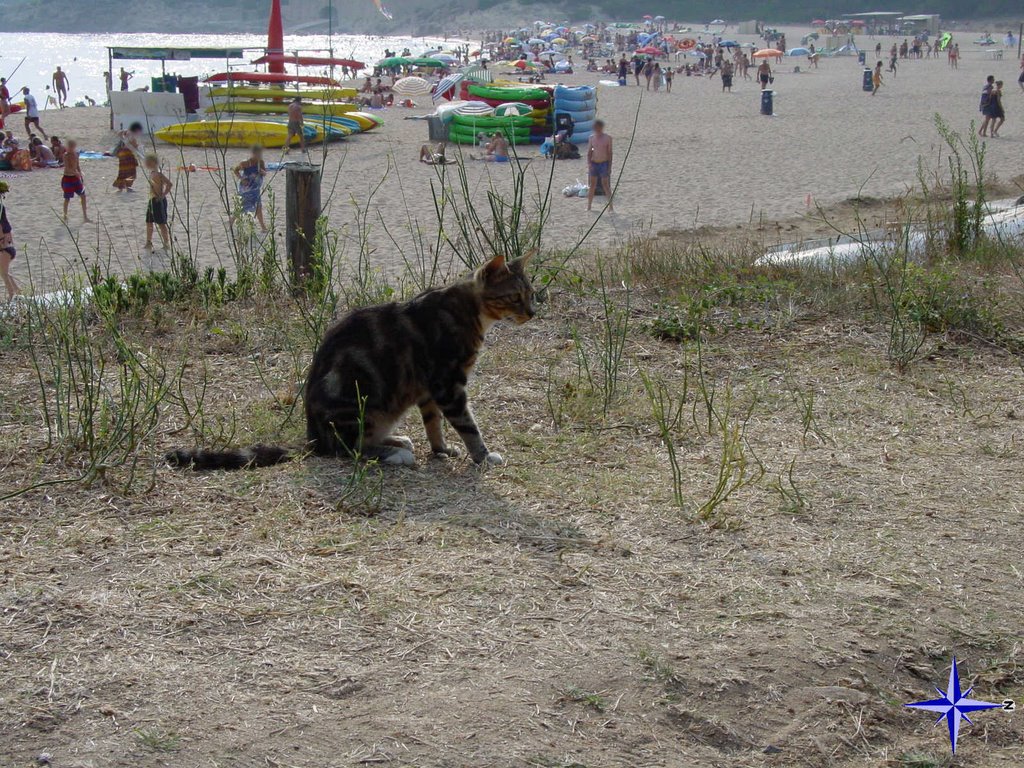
(599,164)
(61,85)
(7,249)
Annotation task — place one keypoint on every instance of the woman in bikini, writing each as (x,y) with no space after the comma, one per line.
(7,249)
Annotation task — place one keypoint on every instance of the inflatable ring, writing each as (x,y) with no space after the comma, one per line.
(687,44)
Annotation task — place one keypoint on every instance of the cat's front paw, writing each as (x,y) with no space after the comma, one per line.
(447,453)
(494,459)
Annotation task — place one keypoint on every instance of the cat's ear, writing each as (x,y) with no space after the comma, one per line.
(524,261)
(492,269)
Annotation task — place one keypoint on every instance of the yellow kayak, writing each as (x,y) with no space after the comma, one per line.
(312,94)
(233,133)
(332,108)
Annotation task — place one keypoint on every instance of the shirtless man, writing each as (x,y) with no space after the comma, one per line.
(295,125)
(60,85)
(73,183)
(599,162)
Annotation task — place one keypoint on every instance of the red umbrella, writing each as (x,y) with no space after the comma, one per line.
(649,50)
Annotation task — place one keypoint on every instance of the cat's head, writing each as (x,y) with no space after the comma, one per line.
(505,288)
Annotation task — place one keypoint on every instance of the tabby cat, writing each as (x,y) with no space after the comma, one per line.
(377,362)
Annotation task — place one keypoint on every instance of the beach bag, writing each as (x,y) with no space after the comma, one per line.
(20,160)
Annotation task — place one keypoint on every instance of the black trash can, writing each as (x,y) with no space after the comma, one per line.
(767,103)
(868,85)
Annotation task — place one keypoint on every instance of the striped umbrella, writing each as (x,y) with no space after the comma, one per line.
(476,108)
(411,86)
(447,84)
(478,74)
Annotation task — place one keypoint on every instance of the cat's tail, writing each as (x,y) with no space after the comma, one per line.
(242,458)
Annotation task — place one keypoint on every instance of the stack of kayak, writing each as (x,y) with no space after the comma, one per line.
(273,101)
(579,103)
(522,113)
(267,131)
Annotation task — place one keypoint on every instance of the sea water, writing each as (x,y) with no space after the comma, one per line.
(84,57)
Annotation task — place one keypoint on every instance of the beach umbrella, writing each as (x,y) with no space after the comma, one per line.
(589,39)
(510,40)
(559,41)
(411,86)
(648,16)
(478,74)
(768,53)
(818,22)
(659,18)
(798,52)
(425,62)
(513,108)
(445,86)
(536,41)
(477,108)
(394,61)
(447,58)
(729,44)
(648,50)
(716,21)
(697,54)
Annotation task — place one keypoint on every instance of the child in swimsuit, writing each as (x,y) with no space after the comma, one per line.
(156,210)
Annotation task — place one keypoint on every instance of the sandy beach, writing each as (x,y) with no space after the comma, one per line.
(699,157)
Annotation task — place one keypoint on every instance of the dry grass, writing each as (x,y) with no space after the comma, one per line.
(561,610)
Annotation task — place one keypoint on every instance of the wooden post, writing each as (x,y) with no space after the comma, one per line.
(302,210)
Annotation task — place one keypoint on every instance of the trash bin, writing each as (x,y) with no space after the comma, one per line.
(862,57)
(868,85)
(436,129)
(157,85)
(767,103)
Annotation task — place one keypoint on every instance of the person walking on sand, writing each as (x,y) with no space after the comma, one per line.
(998,113)
(296,125)
(250,174)
(649,72)
(7,249)
(669,74)
(156,211)
(61,85)
(764,74)
(599,164)
(876,78)
(32,113)
(72,182)
(127,152)
(985,105)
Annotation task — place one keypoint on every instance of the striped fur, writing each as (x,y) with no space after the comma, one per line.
(377,362)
